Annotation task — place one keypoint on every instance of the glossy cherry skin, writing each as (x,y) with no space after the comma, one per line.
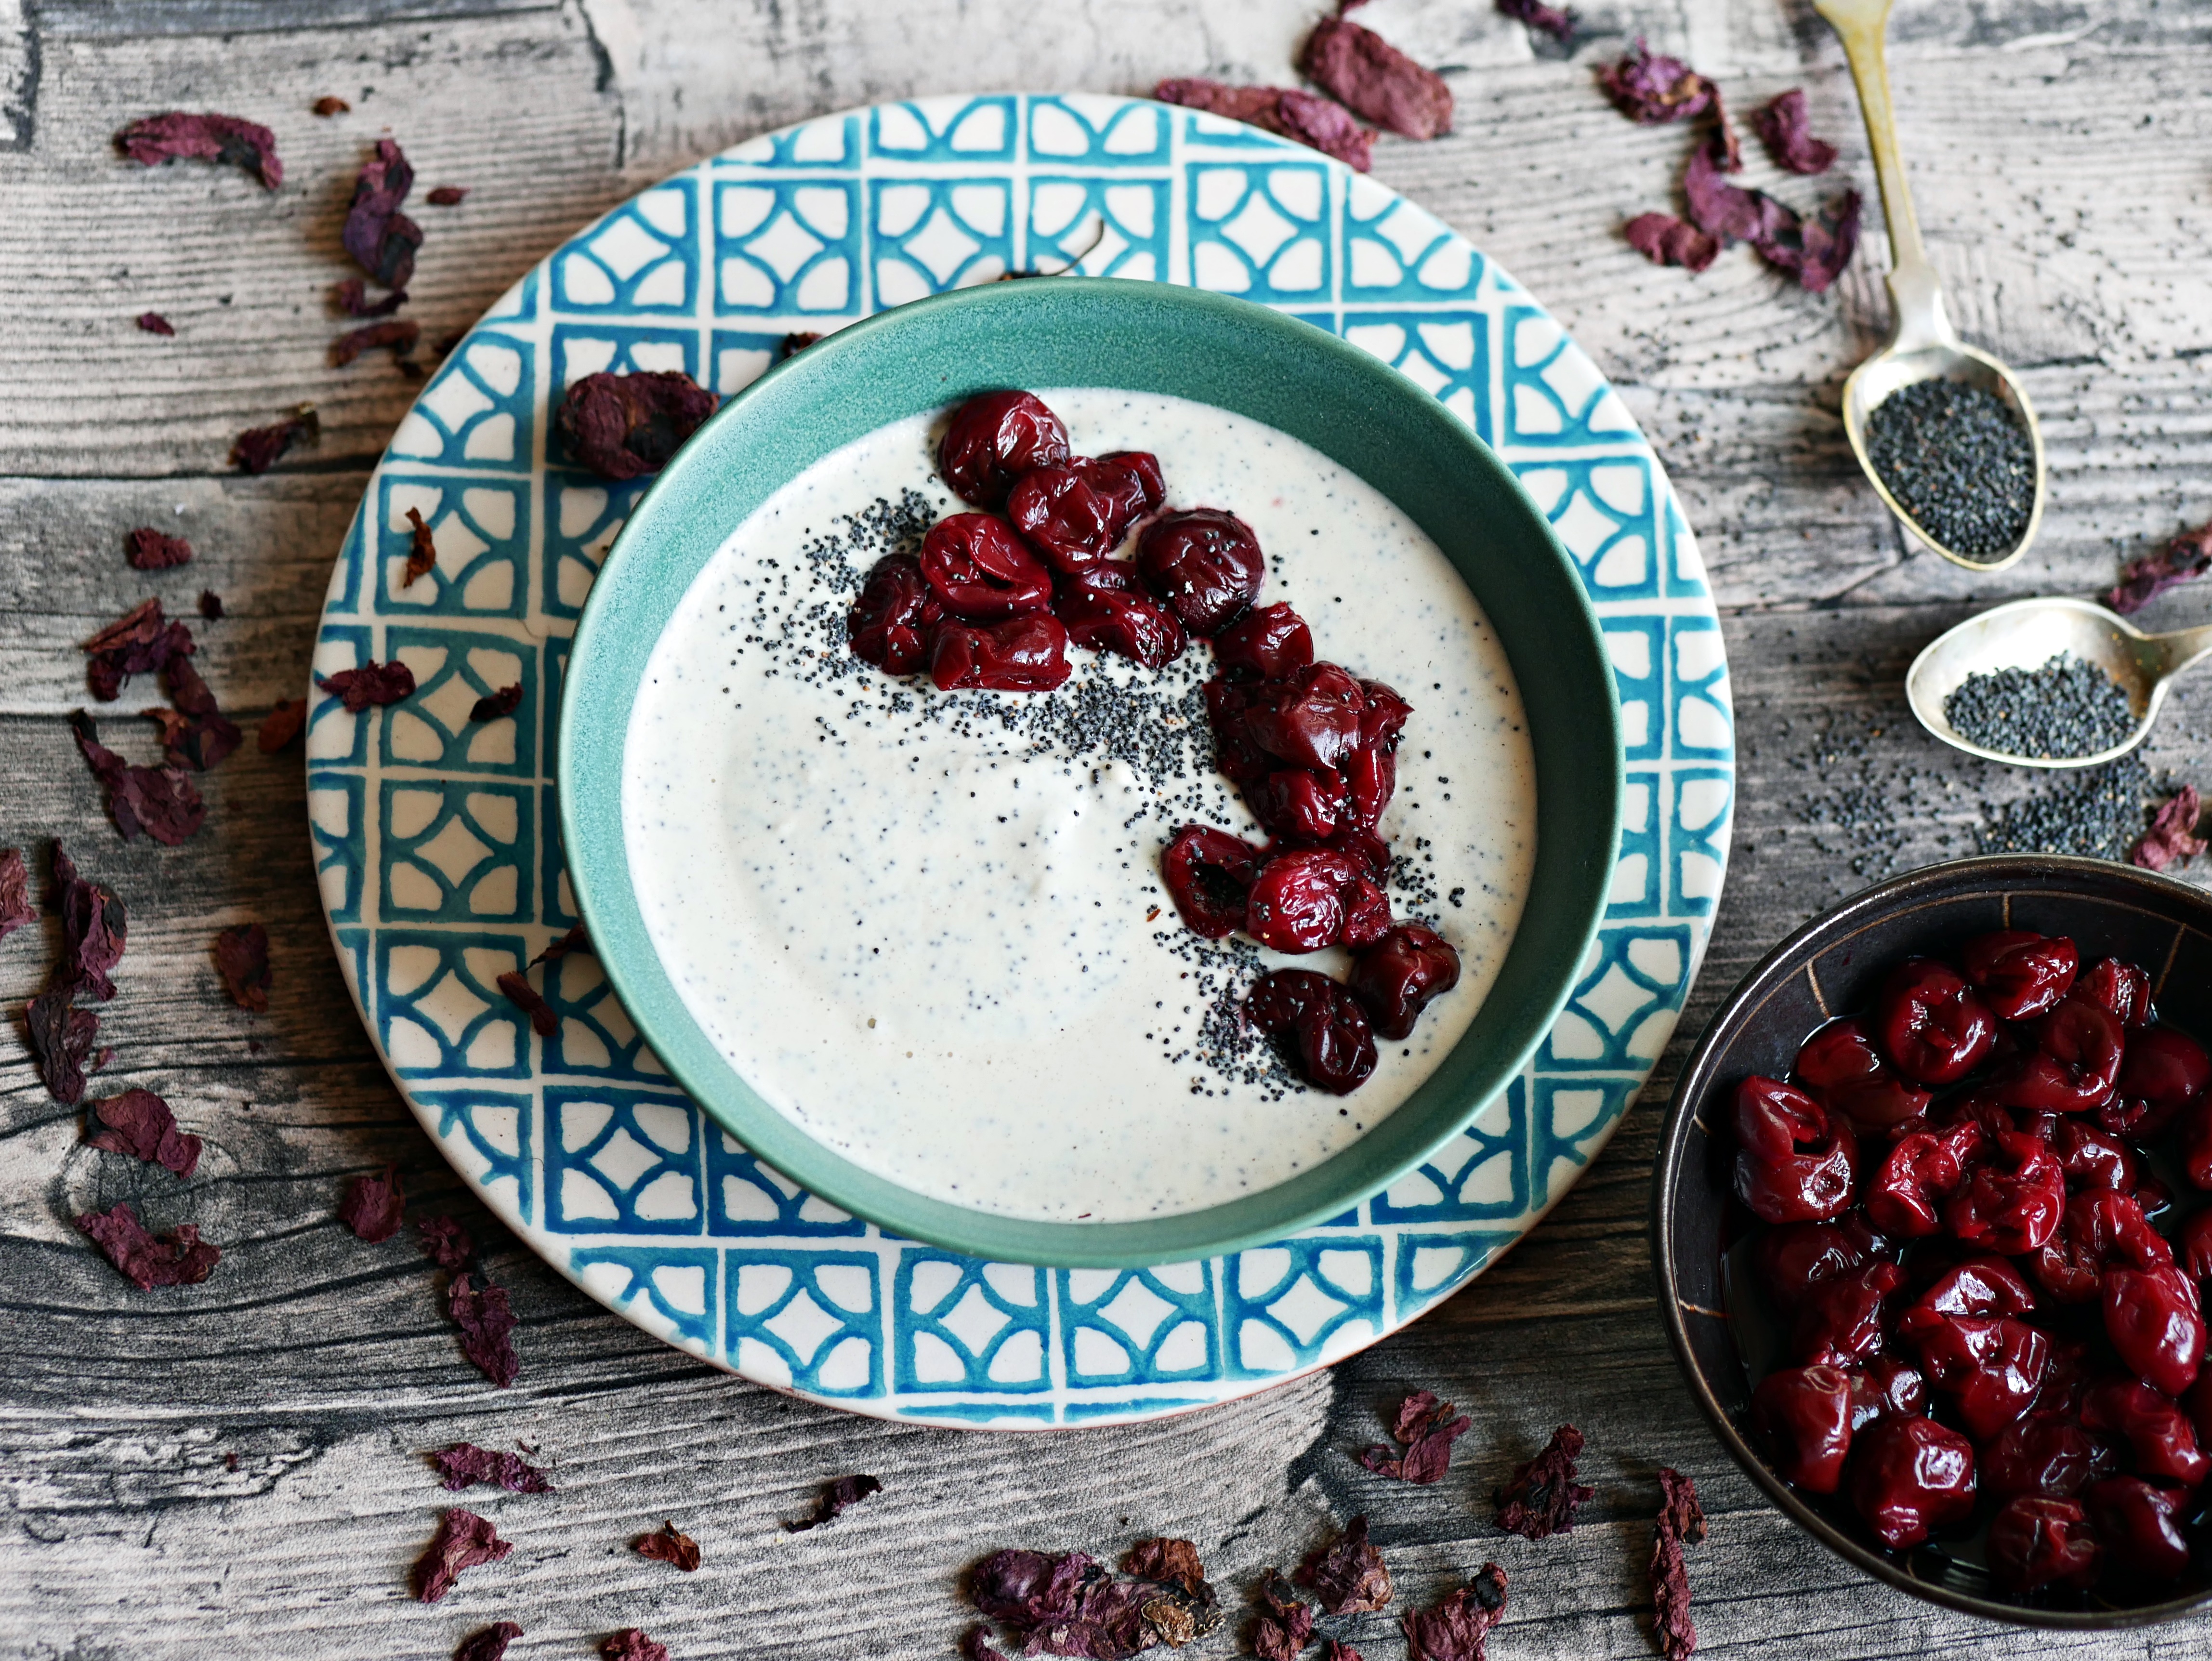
(1106,612)
(980,572)
(2092,1158)
(2151,1316)
(1793,1258)
(2019,974)
(2076,1065)
(895,620)
(2011,1201)
(1371,778)
(1310,719)
(1266,643)
(2068,1381)
(1919,1170)
(1991,1366)
(2036,1542)
(1398,976)
(1884,1385)
(1234,755)
(1803,1417)
(1312,897)
(1843,1319)
(1911,1477)
(1930,1023)
(1326,1029)
(2197,1141)
(993,439)
(1022,654)
(1382,716)
(2164,1068)
(2045,1453)
(1979,1284)
(1076,512)
(2161,1439)
(1840,1065)
(1299,805)
(2196,1246)
(2141,1526)
(2120,988)
(1205,564)
(1209,876)
(1794,1159)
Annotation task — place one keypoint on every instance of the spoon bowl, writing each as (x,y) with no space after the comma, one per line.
(2026,633)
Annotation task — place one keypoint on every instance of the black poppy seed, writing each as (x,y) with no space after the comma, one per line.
(2098,811)
(2067,708)
(1959,462)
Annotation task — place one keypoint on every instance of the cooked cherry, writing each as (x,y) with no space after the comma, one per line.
(1930,1023)
(1911,1476)
(2037,1542)
(1077,511)
(1980,1284)
(1331,1043)
(2010,1359)
(1397,977)
(1022,654)
(1804,1414)
(1842,1319)
(2067,1382)
(2152,1196)
(1887,1384)
(2045,1453)
(1840,1065)
(1794,1161)
(980,572)
(2140,1527)
(2197,1141)
(2065,1268)
(1792,1257)
(891,623)
(2107,1224)
(2012,1201)
(2158,1433)
(2119,988)
(993,439)
(2020,974)
(1209,876)
(2164,1068)
(1977,1107)
(2076,1063)
(1920,1169)
(1382,718)
(1265,643)
(1205,564)
(1298,805)
(1105,611)
(1313,897)
(1309,719)
(2196,1244)
(1371,779)
(2151,1316)
(1370,850)
(2092,1158)
(1234,755)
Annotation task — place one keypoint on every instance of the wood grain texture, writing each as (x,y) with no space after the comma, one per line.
(2058,150)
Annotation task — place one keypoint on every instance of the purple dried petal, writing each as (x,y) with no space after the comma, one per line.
(138,1122)
(196,734)
(1372,78)
(1457,1628)
(446,1242)
(241,957)
(524,996)
(61,1037)
(465,1464)
(259,448)
(382,239)
(632,1644)
(1680,1513)
(1785,128)
(179,1258)
(2183,559)
(1654,89)
(463,1541)
(352,298)
(148,550)
(1541,1498)
(373,1205)
(1301,116)
(1670,1599)
(1666,241)
(155,323)
(400,333)
(372,683)
(495,705)
(95,929)
(490,1644)
(161,801)
(2171,836)
(626,426)
(487,1325)
(204,138)
(1548,20)
(15,907)
(666,1545)
(1347,1577)
(447,196)
(1815,250)
(1427,1427)
(837,1497)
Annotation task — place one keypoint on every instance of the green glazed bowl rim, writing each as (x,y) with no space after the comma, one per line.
(1099,331)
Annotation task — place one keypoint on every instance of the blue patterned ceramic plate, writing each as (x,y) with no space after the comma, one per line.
(438,847)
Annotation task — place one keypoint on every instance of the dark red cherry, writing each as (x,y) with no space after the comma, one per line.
(2035,1542)
(2197,1142)
(1919,1171)
(2160,1438)
(2152,1316)
(1209,877)
(981,571)
(2092,1158)
(2108,1224)
(2195,1253)
(1840,1065)
(2164,1068)
(1309,719)
(2005,1379)
(892,623)
(1265,643)
(1979,1284)
(1022,654)
(993,439)
(1793,1160)
(1313,897)
(1396,977)
(1298,805)
(1793,1257)
(1371,779)
(1930,1023)
(1205,564)
(2075,1064)
(2020,974)
(1105,611)
(2044,1453)
(2013,1199)
(1911,1476)
(2119,988)
(1371,852)
(2141,1526)
(2064,1268)
(1322,1024)
(2067,1382)
(1382,718)
(1234,755)
(1803,1417)
(1077,511)
(1843,1319)
(1886,1385)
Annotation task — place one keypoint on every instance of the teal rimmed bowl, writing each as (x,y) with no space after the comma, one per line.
(1143,337)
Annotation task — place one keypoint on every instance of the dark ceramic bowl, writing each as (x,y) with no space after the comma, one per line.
(1717,1322)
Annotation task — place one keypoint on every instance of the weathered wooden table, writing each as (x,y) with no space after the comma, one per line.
(235,1468)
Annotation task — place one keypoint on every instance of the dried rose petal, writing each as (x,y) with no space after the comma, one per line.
(161,801)
(1815,250)
(382,239)
(1298,116)
(147,550)
(400,333)
(330,105)
(204,137)
(95,928)
(259,448)
(524,996)
(1457,1628)
(1349,1577)
(1666,241)
(2182,559)
(667,1546)
(1549,20)
(1165,1558)
(1727,211)
(795,343)
(282,725)
(1654,89)
(447,196)
(495,705)
(465,1464)
(1427,1427)
(372,683)
(61,1038)
(210,605)
(1070,1605)
(1680,1513)
(463,1541)
(1288,1628)
(1785,127)
(179,1258)
(975,1644)
(2172,834)
(1336,1649)
(141,642)
(15,907)
(1372,78)
(196,734)
(373,1205)
(352,298)
(155,323)
(487,1324)
(446,1242)
(1542,1496)
(626,426)
(241,957)
(575,940)
(1670,1599)
(837,1497)
(631,1644)
(138,1122)
(490,1644)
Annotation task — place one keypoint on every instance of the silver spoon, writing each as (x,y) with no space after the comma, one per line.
(2026,634)
(1923,345)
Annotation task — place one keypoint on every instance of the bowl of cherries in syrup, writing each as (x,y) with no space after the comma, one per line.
(1932,1218)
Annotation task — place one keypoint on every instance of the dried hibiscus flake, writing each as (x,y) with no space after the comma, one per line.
(330,104)
(1666,241)
(352,298)
(1072,1605)
(400,333)
(490,1643)
(1427,1428)
(210,605)
(666,1545)
(447,196)
(575,940)
(373,1205)
(258,449)
(837,1497)
(155,323)
(1372,78)
(463,1541)
(631,1644)
(372,683)
(1785,128)
(487,1324)
(1812,250)
(196,734)
(1336,1649)
(61,1038)
(179,1258)
(138,1122)
(1680,1513)
(975,1644)
(95,929)
(281,724)
(1457,1628)
(1162,1558)
(141,642)
(204,138)
(1553,21)
(1653,89)
(161,801)
(795,343)
(1681,1520)
(1287,1626)
(445,1242)
(625,426)
(421,548)
(147,550)
(1348,1576)
(465,1464)
(495,705)
(382,239)
(1815,250)
(2183,559)
(15,907)
(1301,116)
(2172,834)
(524,996)
(1542,1496)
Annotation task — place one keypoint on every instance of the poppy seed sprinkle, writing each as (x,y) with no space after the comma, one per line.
(1957,461)
(2066,708)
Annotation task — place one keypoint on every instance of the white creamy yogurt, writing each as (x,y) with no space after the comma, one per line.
(930,928)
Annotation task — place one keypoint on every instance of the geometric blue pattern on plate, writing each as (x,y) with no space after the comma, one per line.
(437,847)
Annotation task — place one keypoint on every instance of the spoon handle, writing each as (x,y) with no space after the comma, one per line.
(1914,291)
(2184,648)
